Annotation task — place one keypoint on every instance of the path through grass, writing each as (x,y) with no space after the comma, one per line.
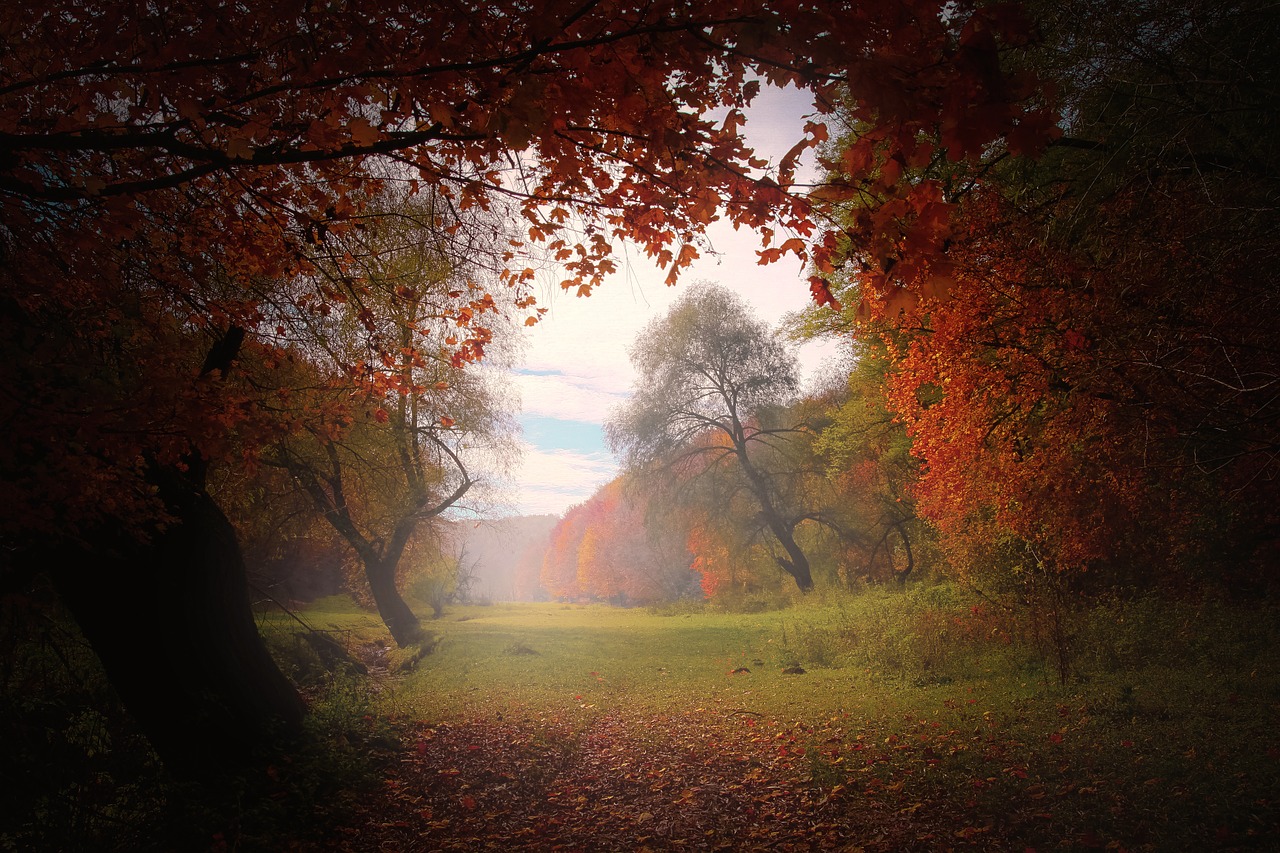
(589,728)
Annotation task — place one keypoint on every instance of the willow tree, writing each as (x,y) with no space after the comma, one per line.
(711,377)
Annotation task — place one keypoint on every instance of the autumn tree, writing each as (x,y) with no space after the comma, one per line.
(532,541)
(655,532)
(866,473)
(722,556)
(627,554)
(559,573)
(1080,350)
(708,369)
(167,166)
(390,456)
(866,454)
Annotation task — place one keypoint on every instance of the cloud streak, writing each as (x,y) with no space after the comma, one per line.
(550,481)
(571,395)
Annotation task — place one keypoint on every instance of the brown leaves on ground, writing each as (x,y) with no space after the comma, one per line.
(732,779)
(672,782)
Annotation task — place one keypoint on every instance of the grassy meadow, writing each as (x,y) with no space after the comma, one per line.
(889,719)
(921,719)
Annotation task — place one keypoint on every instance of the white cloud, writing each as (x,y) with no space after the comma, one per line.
(568,396)
(550,481)
(580,349)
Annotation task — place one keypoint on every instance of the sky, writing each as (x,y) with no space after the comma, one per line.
(576,367)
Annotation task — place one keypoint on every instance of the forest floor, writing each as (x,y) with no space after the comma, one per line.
(905,719)
(665,783)
(548,728)
(692,781)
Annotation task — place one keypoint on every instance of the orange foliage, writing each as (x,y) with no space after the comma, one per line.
(992,399)
(560,562)
(604,549)
(1038,414)
(712,559)
(168,169)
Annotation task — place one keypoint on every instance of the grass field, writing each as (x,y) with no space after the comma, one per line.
(919,722)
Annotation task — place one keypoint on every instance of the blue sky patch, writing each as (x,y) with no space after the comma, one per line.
(559,434)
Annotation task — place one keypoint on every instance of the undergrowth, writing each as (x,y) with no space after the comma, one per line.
(80,775)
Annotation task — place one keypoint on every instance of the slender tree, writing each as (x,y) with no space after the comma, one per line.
(389,455)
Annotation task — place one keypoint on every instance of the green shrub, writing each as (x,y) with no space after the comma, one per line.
(926,633)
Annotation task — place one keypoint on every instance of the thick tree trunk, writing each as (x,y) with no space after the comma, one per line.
(170,620)
(795,563)
(402,622)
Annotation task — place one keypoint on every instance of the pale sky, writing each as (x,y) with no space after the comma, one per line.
(576,366)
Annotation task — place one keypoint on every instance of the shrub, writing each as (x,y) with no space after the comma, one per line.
(926,632)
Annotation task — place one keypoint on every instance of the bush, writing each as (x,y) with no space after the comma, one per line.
(1130,633)
(927,633)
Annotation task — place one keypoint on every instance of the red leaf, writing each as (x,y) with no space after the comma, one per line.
(822,293)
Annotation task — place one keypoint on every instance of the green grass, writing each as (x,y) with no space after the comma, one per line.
(556,658)
(871,652)
(925,719)
(1167,733)
(550,658)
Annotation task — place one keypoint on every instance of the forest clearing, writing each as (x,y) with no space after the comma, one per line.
(909,720)
(318,532)
(578,727)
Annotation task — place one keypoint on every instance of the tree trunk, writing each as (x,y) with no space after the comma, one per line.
(170,620)
(795,563)
(402,622)
(911,559)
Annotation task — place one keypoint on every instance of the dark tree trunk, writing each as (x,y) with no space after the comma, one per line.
(401,621)
(170,620)
(795,563)
(895,525)
(911,559)
(380,561)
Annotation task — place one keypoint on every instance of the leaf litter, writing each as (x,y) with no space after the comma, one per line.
(720,779)
(686,781)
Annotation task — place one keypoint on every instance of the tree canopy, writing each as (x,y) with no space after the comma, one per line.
(1084,357)
(185,187)
(168,166)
